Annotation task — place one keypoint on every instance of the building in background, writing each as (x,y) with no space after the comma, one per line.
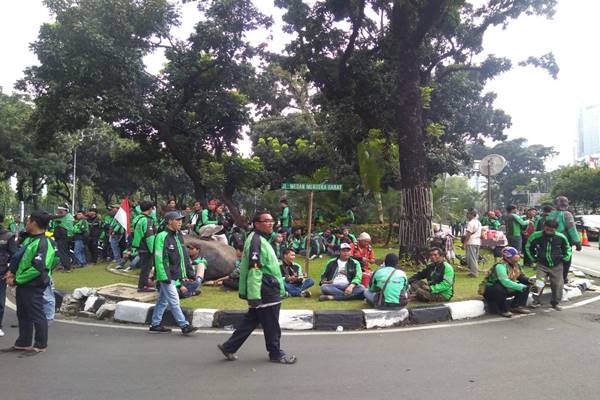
(588,144)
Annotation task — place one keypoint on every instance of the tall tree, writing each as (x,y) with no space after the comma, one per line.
(375,63)
(92,66)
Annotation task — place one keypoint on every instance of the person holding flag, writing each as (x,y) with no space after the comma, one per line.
(119,228)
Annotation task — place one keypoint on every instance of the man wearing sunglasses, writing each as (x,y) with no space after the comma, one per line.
(262,285)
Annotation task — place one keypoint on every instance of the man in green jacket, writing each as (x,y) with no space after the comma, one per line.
(514,227)
(440,279)
(566,226)
(262,285)
(81,231)
(143,244)
(171,262)
(341,277)
(31,273)
(285,218)
(550,249)
(62,228)
(390,282)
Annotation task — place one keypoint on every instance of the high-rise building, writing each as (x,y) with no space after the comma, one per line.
(589,132)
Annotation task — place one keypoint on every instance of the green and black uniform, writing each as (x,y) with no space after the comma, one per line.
(32,276)
(395,283)
(262,285)
(285,219)
(514,228)
(499,286)
(142,244)
(62,229)
(440,280)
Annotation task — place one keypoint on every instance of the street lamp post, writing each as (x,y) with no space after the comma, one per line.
(74,179)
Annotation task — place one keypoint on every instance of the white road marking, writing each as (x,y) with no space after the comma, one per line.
(582,303)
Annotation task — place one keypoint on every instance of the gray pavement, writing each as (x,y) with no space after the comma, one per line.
(588,259)
(550,355)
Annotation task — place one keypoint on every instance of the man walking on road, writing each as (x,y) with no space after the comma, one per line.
(472,242)
(262,285)
(566,226)
(171,262)
(549,249)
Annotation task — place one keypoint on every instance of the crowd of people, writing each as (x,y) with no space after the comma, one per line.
(265,271)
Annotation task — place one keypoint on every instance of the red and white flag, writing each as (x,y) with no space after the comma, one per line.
(122,216)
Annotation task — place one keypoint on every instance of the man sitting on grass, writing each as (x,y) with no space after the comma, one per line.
(341,277)
(296,282)
(190,286)
(389,285)
(440,279)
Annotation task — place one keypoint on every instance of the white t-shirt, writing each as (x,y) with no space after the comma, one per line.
(341,278)
(474,228)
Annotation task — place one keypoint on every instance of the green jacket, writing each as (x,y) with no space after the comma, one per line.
(396,288)
(353,271)
(80,229)
(284,218)
(144,234)
(37,261)
(208,217)
(500,274)
(62,227)
(492,223)
(515,225)
(261,281)
(548,250)
(566,225)
(171,259)
(116,227)
(106,223)
(440,278)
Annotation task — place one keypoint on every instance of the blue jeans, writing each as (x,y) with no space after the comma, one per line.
(116,248)
(49,301)
(168,297)
(80,252)
(191,288)
(338,293)
(295,290)
(371,297)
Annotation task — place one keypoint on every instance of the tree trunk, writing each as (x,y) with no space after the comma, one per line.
(379,203)
(234,210)
(416,200)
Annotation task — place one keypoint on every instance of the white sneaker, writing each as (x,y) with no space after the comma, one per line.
(1,333)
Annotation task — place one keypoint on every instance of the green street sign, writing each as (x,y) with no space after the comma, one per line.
(312,186)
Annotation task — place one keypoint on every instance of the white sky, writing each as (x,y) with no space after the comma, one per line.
(543,110)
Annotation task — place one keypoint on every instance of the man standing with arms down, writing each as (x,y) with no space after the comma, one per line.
(566,226)
(143,243)
(8,247)
(262,285)
(472,242)
(31,274)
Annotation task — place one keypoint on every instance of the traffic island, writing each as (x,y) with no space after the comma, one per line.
(86,302)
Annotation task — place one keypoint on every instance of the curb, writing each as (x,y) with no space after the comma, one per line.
(326,320)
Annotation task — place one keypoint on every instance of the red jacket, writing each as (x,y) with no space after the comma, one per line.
(358,253)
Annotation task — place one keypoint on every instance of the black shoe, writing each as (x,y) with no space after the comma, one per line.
(228,356)
(188,329)
(159,329)
(285,359)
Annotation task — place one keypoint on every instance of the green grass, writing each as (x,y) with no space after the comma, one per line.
(213,297)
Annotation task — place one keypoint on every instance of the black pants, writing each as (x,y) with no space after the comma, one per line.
(268,317)
(145,265)
(92,246)
(2,298)
(64,254)
(30,313)
(496,296)
(566,268)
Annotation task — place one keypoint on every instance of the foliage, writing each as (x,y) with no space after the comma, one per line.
(580,184)
(452,195)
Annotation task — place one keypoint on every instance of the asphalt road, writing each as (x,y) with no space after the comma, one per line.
(551,355)
(588,259)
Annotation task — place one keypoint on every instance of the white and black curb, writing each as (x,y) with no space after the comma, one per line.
(299,320)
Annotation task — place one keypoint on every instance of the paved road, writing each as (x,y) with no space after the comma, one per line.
(588,259)
(550,355)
